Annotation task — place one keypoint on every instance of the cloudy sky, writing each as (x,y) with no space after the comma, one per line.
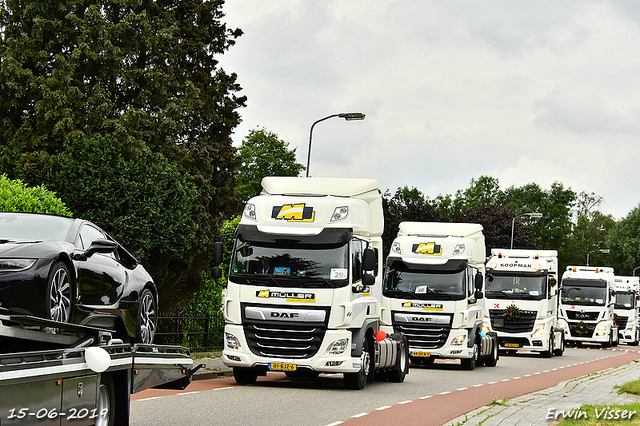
(523,91)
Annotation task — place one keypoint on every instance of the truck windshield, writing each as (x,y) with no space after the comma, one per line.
(625,301)
(288,265)
(401,281)
(584,292)
(516,287)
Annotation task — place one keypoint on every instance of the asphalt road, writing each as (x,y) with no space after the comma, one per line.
(279,401)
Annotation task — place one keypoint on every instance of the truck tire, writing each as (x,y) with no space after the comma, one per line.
(105,404)
(401,369)
(357,381)
(244,375)
(559,351)
(495,355)
(548,353)
(470,363)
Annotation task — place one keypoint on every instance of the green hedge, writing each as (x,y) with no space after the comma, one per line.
(15,196)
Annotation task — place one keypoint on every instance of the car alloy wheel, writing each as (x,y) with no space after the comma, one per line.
(60,294)
(147,318)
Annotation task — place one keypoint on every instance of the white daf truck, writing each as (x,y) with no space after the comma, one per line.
(303,295)
(434,277)
(587,302)
(626,309)
(521,294)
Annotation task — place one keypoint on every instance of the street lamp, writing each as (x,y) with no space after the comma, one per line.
(349,116)
(634,270)
(605,251)
(513,222)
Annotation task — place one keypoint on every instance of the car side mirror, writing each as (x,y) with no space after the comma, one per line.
(101,245)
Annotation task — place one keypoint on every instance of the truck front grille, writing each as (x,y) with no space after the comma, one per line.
(284,340)
(621,322)
(523,324)
(423,336)
(581,329)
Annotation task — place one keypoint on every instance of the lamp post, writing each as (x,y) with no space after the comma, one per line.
(513,222)
(605,251)
(634,270)
(349,116)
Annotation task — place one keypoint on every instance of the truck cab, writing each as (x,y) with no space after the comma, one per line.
(587,305)
(433,282)
(522,299)
(626,309)
(305,281)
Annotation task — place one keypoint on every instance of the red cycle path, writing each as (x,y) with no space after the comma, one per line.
(439,409)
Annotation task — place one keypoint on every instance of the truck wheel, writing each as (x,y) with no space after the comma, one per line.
(609,343)
(559,351)
(470,363)
(105,405)
(244,375)
(548,353)
(495,355)
(401,369)
(357,381)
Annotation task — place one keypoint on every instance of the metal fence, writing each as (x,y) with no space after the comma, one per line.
(197,332)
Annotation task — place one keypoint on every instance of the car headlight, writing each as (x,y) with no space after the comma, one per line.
(337,347)
(231,341)
(15,265)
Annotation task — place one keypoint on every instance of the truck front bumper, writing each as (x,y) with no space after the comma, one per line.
(323,362)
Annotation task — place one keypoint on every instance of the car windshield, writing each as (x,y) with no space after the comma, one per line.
(584,292)
(33,227)
(516,287)
(289,264)
(625,301)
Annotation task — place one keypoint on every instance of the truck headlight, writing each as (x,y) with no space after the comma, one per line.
(601,330)
(458,340)
(337,347)
(231,341)
(540,332)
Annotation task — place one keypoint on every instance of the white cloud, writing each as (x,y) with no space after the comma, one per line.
(522,91)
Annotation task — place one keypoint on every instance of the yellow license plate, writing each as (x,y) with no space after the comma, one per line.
(511,345)
(421,354)
(278,366)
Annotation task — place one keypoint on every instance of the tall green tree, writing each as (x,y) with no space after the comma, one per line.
(143,71)
(623,240)
(263,154)
(142,201)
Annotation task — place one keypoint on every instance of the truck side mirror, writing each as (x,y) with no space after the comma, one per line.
(478,282)
(478,295)
(553,282)
(369,260)
(218,251)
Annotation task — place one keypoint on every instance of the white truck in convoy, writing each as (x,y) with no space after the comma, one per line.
(433,283)
(303,294)
(587,300)
(521,294)
(626,309)
(54,373)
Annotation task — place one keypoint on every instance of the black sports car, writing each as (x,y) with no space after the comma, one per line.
(70,270)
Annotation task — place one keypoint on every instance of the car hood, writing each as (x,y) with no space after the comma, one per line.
(33,249)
